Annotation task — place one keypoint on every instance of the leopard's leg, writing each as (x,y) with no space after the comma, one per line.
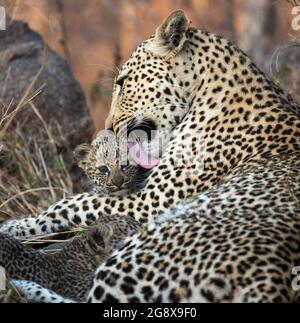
(36,293)
(81,210)
(84,209)
(61,216)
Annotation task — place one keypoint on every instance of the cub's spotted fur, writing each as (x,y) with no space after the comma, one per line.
(70,271)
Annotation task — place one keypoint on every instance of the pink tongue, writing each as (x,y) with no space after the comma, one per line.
(138,154)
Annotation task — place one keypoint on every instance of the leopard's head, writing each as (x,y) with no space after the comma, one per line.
(152,92)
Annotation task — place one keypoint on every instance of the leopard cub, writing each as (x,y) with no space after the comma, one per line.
(69,272)
(107,172)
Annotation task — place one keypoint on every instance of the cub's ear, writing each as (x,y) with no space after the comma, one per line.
(81,153)
(170,37)
(100,237)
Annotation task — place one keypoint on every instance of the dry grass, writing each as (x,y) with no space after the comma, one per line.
(33,171)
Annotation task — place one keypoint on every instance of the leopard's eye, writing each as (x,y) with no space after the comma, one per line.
(120,83)
(103,169)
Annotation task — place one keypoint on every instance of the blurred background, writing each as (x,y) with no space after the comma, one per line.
(97,36)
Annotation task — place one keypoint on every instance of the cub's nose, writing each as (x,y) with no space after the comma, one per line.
(118,180)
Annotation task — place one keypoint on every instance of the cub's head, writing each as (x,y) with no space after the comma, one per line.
(103,165)
(152,90)
(108,234)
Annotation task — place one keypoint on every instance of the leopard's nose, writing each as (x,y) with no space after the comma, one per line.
(118,180)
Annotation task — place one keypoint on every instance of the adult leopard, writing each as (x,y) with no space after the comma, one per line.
(228,225)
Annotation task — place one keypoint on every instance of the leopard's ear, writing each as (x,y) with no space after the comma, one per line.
(170,36)
(81,153)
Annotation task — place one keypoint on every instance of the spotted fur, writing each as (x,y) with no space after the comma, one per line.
(68,272)
(231,208)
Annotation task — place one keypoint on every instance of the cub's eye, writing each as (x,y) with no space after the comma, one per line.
(124,167)
(120,83)
(103,169)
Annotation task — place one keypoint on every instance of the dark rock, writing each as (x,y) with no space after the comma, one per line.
(22,53)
